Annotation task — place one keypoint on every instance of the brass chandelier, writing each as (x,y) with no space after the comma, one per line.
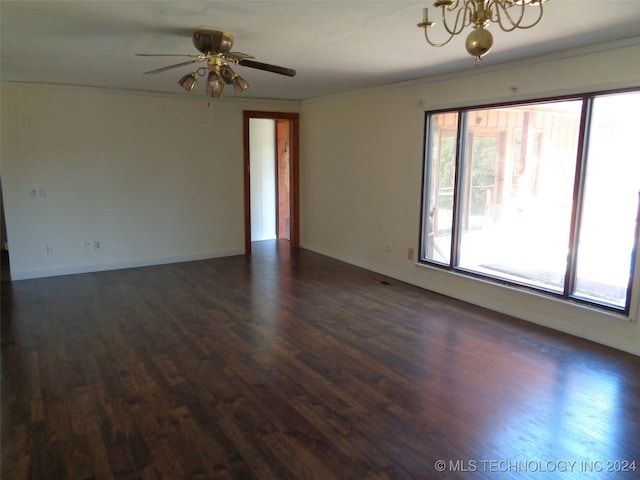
(459,14)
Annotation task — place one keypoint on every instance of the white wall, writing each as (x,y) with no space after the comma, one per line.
(361,177)
(155,179)
(262,145)
(159,179)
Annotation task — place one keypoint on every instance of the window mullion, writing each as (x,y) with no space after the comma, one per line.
(578,197)
(459,183)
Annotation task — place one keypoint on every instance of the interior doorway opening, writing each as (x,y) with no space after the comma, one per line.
(271,177)
(264,179)
(269,145)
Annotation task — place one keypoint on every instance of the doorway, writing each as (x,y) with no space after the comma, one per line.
(271,196)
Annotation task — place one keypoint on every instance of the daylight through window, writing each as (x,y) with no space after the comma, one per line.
(541,194)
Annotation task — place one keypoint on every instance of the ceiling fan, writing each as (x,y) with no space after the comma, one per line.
(215,47)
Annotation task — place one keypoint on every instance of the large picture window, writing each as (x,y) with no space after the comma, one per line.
(542,194)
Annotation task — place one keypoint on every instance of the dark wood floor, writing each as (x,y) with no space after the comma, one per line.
(294,365)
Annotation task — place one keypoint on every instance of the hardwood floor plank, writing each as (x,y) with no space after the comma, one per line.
(291,365)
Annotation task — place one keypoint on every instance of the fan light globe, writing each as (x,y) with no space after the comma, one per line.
(479,42)
(214,85)
(240,84)
(188,82)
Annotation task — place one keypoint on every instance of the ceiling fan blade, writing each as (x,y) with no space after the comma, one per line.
(289,72)
(237,55)
(168,55)
(164,69)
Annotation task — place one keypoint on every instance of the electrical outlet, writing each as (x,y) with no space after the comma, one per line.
(88,244)
(33,193)
(50,249)
(97,245)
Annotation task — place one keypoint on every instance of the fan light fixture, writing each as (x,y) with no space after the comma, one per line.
(214,47)
(458,14)
(217,77)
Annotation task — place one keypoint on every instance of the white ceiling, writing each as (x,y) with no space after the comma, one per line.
(335,46)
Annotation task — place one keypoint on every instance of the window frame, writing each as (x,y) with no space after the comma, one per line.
(568,293)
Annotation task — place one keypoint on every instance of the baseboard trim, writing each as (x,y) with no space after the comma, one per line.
(101,267)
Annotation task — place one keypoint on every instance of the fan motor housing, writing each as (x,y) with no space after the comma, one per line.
(212,41)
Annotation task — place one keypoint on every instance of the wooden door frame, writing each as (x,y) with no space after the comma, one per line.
(294,193)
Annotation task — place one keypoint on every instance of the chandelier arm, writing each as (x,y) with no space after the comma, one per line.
(502,10)
(434,44)
(461,19)
(540,12)
(514,24)
(453,6)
